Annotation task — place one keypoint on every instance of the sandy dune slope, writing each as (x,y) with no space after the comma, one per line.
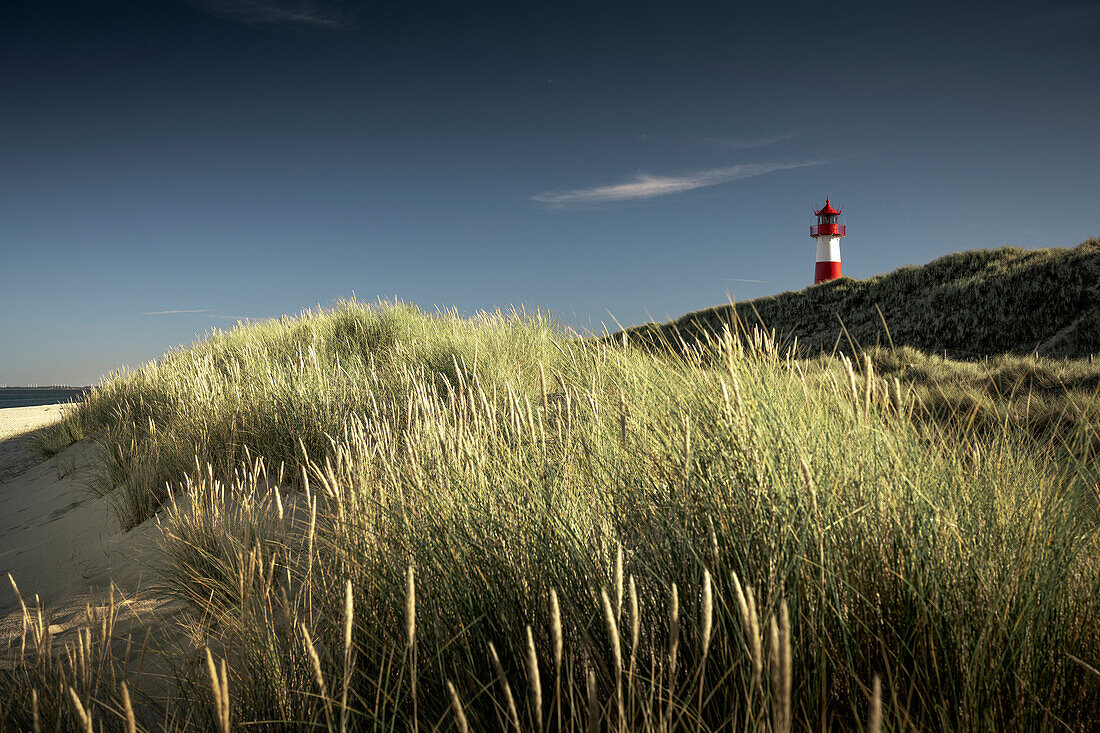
(62,545)
(18,428)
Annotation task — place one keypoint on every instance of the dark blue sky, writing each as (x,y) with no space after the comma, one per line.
(246,159)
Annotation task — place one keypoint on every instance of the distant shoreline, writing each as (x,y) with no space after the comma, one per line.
(33,396)
(46,386)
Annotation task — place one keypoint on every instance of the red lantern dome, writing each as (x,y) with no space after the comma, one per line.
(827,210)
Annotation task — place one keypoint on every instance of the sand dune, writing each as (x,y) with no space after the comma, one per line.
(61,544)
(18,428)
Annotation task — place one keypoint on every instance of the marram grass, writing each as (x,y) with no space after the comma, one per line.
(382,519)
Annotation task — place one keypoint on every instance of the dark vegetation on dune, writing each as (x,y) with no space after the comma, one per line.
(969,304)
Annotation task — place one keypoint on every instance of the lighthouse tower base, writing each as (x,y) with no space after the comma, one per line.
(828,259)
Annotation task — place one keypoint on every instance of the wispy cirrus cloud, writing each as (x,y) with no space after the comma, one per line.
(277,12)
(173,312)
(645,186)
(208,314)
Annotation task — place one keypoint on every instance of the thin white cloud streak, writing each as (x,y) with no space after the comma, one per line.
(645,186)
(169,313)
(276,12)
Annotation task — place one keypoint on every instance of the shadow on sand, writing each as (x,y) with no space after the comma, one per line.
(20,453)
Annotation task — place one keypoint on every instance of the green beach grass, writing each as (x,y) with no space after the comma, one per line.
(383,519)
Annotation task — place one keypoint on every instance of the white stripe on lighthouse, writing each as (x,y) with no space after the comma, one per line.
(828,249)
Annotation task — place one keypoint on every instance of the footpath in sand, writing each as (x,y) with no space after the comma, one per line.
(58,538)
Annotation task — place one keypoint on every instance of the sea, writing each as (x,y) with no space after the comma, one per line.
(31,396)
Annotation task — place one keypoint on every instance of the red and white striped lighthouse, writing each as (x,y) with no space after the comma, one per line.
(827,233)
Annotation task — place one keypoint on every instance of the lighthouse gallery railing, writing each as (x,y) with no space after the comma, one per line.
(818,230)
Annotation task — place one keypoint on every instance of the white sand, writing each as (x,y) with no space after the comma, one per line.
(61,542)
(18,428)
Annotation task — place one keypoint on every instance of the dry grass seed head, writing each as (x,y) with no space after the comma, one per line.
(593,707)
(555,630)
(708,611)
(315,664)
(756,637)
(612,631)
(619,582)
(781,671)
(128,708)
(533,676)
(82,715)
(456,704)
(349,616)
(874,717)
(510,701)
(410,605)
(713,542)
(673,629)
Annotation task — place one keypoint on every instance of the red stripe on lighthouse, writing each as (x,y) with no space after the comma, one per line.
(826,271)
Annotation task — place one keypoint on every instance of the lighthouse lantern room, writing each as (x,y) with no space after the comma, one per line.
(827,233)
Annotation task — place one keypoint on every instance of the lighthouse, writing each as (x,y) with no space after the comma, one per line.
(827,233)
